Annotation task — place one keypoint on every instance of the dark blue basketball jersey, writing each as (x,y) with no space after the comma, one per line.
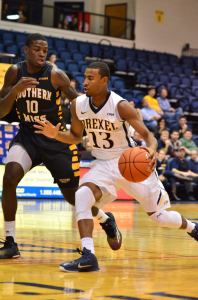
(42,102)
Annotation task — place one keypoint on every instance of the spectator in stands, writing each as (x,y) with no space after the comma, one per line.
(164,142)
(66,102)
(182,125)
(138,139)
(152,101)
(75,84)
(170,114)
(4,11)
(150,116)
(52,59)
(132,103)
(187,142)
(161,167)
(161,126)
(22,12)
(175,143)
(193,161)
(177,172)
(69,22)
(73,25)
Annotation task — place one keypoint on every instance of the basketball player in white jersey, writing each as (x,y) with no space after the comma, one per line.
(105,117)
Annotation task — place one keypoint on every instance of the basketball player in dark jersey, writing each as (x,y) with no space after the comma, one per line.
(34,87)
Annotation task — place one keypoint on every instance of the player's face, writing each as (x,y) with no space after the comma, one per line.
(94,84)
(36,53)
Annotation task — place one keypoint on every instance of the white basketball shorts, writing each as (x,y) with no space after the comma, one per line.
(150,193)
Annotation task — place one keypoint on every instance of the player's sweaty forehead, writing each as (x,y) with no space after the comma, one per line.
(39,44)
(91,73)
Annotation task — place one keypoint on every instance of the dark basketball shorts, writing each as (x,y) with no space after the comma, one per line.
(60,159)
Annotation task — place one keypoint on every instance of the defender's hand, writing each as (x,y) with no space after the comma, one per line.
(46,128)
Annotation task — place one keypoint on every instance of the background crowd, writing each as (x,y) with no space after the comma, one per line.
(177,161)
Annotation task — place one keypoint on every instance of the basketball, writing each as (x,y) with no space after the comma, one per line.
(134,164)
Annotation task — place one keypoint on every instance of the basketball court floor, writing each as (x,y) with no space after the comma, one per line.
(153,263)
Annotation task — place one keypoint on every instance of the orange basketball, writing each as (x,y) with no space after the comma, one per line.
(134,164)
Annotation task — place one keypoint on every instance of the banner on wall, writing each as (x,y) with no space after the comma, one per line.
(159,16)
(3,69)
(38,183)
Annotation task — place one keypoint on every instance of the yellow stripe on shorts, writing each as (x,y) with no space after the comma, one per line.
(74,158)
(75,166)
(76,173)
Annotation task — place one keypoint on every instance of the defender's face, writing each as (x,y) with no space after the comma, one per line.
(93,83)
(37,52)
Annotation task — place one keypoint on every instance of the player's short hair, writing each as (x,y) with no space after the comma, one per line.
(103,68)
(34,37)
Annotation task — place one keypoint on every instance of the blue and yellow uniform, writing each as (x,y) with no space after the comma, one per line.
(43,102)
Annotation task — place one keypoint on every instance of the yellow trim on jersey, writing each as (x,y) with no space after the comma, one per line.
(76,166)
(77,174)
(58,101)
(75,152)
(74,158)
(72,147)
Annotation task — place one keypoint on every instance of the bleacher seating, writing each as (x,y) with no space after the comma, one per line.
(7,132)
(178,74)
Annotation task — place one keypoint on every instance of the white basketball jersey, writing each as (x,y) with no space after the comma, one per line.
(108,134)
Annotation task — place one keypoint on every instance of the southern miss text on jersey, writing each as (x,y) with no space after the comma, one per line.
(41,102)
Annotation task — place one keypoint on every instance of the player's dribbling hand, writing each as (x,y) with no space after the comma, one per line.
(153,156)
(46,128)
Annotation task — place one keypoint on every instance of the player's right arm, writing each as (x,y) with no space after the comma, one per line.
(11,88)
(72,136)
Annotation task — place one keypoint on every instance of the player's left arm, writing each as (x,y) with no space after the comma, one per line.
(61,81)
(129,114)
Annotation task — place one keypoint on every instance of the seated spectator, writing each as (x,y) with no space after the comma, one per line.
(187,142)
(161,167)
(132,132)
(150,116)
(132,103)
(181,126)
(170,114)
(152,101)
(178,171)
(161,126)
(52,59)
(138,139)
(75,84)
(164,142)
(193,161)
(175,143)
(66,103)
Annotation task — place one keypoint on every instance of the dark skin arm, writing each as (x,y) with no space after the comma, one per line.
(130,115)
(74,136)
(11,88)
(61,81)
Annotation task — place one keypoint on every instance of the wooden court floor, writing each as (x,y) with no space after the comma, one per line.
(153,263)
